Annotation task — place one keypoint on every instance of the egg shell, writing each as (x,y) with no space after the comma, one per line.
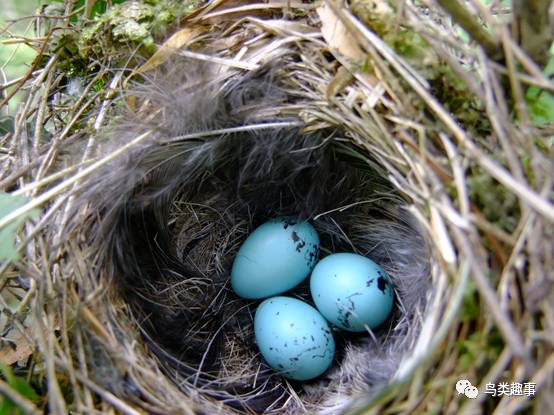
(293,337)
(351,291)
(276,256)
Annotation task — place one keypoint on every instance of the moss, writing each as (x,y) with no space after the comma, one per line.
(378,15)
(498,204)
(470,306)
(132,22)
(381,17)
(479,350)
(116,31)
(453,93)
(541,105)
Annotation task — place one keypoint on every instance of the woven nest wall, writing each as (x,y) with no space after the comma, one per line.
(251,111)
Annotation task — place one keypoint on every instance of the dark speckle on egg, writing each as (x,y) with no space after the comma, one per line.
(382,284)
(343,316)
(287,223)
(357,305)
(311,255)
(299,341)
(319,355)
(295,236)
(349,298)
(344,313)
(300,243)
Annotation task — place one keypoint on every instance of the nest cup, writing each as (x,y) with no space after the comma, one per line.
(222,156)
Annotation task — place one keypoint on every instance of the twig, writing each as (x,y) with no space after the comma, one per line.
(63,185)
(473,27)
(29,73)
(520,188)
(107,396)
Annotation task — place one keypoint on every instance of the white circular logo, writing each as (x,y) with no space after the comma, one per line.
(464,386)
(471,392)
(461,385)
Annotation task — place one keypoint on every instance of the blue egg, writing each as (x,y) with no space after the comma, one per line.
(275,257)
(351,291)
(293,338)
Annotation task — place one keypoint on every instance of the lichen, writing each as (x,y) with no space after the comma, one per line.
(116,31)
(133,21)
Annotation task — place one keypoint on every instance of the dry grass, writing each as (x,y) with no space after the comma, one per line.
(491,317)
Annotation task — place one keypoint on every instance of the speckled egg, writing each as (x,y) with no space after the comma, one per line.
(351,291)
(293,338)
(276,256)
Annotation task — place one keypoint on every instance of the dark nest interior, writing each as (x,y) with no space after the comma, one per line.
(174,213)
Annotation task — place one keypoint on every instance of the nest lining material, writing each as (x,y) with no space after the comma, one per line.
(86,323)
(180,209)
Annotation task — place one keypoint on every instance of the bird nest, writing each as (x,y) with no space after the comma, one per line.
(394,139)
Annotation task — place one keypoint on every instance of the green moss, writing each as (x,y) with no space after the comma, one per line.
(414,49)
(470,305)
(381,17)
(99,85)
(112,37)
(115,31)
(378,15)
(499,205)
(479,350)
(453,93)
(540,103)
(137,23)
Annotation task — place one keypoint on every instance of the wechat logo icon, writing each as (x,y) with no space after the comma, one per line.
(464,386)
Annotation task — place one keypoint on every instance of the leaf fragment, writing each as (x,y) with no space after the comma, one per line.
(9,203)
